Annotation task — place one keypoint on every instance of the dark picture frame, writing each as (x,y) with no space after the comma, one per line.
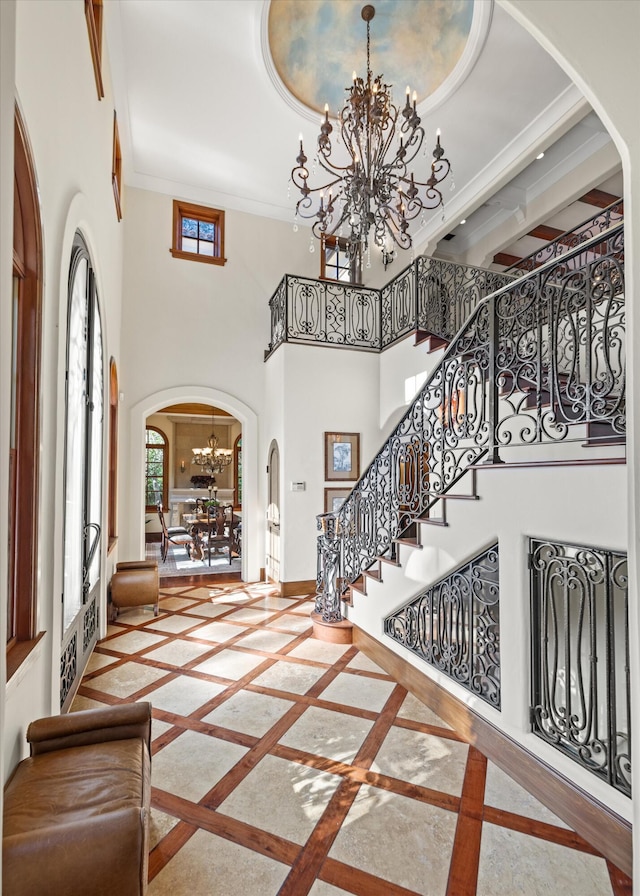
(341,456)
(333,498)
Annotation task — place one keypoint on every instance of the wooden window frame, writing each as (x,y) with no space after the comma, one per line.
(150,508)
(24,454)
(116,168)
(93,13)
(339,243)
(112,497)
(199,213)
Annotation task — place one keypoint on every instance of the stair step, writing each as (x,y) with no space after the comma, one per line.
(459,498)
(581,462)
(389,560)
(373,574)
(430,521)
(413,542)
(430,341)
(359,585)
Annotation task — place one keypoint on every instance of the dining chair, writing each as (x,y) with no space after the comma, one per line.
(172,535)
(221,533)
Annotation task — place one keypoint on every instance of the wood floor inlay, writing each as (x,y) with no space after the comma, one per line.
(312,764)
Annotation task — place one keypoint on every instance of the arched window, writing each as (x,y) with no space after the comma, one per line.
(156,466)
(26,322)
(83,446)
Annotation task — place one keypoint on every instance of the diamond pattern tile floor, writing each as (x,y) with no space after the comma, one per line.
(283,766)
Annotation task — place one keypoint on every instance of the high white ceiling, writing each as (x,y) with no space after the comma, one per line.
(201,119)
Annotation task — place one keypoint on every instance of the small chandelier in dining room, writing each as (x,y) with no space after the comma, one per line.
(373,190)
(212,459)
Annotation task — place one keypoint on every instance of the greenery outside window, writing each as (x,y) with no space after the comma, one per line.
(156,465)
(198,233)
(335,263)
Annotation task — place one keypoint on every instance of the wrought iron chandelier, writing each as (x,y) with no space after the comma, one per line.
(374,190)
(212,459)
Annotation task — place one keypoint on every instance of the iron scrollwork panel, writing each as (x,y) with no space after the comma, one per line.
(580,657)
(454,626)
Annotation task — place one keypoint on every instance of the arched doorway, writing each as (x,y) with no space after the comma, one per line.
(132,519)
(273,513)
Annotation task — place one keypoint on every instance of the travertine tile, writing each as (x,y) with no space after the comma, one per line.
(320,888)
(249,713)
(334,735)
(291,623)
(99,661)
(126,679)
(319,651)
(293,677)
(178,652)
(133,642)
(79,703)
(183,695)
(433,762)
(172,624)
(358,690)
(250,615)
(217,631)
(415,709)
(378,818)
(300,793)
(264,639)
(230,663)
(208,610)
(502,792)
(176,603)
(159,826)
(190,765)
(515,864)
(208,865)
(361,661)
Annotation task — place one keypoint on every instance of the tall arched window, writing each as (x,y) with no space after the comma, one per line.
(24,420)
(83,447)
(156,468)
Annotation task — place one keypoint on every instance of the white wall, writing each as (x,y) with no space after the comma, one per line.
(188,324)
(70,132)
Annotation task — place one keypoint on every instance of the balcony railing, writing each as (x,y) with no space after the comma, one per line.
(537,362)
(608,217)
(431,295)
(454,625)
(581,695)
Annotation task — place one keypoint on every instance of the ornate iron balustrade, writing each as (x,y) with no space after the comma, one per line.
(454,626)
(431,295)
(533,361)
(581,698)
(594,225)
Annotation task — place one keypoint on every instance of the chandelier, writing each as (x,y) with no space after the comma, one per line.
(373,190)
(212,459)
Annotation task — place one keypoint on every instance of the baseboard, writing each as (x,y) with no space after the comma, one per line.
(294,589)
(606,831)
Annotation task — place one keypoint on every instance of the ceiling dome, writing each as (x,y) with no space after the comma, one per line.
(315,45)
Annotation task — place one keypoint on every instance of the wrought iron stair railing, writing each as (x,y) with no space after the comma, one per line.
(431,295)
(533,360)
(592,226)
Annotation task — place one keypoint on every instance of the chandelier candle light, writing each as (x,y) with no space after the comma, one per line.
(212,459)
(371,191)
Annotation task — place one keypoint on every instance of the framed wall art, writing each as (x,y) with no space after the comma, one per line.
(341,456)
(333,498)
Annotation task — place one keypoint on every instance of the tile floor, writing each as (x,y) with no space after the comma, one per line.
(283,765)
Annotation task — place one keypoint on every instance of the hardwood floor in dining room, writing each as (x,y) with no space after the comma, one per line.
(285,765)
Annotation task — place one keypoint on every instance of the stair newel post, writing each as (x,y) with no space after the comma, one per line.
(286,308)
(328,599)
(493,454)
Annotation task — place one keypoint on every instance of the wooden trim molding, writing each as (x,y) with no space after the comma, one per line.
(93,13)
(293,589)
(600,826)
(116,168)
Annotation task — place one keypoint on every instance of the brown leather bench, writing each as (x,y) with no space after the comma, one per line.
(135,583)
(76,812)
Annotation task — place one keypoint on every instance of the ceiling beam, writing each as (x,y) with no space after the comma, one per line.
(506,259)
(599,198)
